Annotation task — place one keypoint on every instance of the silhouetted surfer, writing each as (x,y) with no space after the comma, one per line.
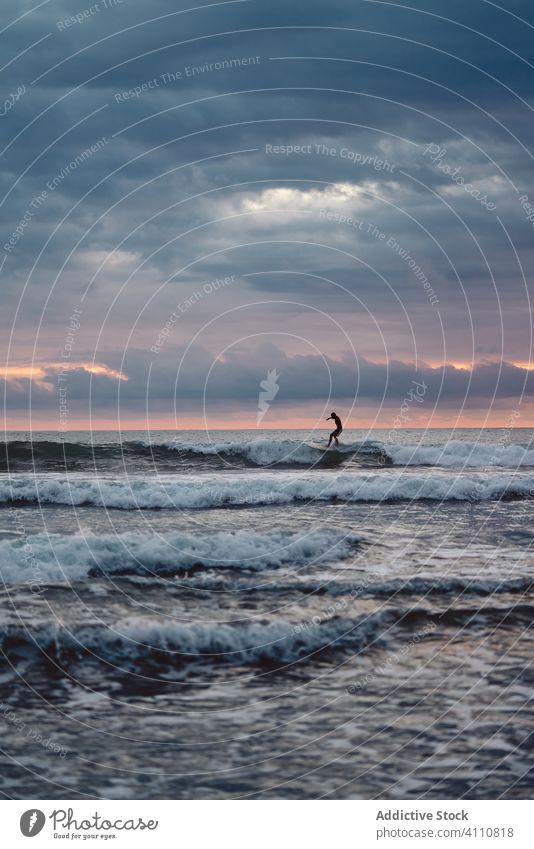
(339,427)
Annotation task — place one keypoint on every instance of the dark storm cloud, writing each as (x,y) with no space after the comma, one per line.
(195,380)
(403,121)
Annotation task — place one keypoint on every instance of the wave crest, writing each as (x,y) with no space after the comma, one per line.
(70,558)
(170,643)
(262,488)
(462,455)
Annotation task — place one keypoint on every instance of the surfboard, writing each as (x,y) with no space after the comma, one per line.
(317,446)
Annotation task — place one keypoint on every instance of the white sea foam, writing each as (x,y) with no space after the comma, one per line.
(455,453)
(266,452)
(262,488)
(134,639)
(138,639)
(48,559)
(346,591)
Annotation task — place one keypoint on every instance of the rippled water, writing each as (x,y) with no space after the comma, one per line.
(243,615)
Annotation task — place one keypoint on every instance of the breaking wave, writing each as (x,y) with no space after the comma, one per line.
(262,452)
(145,641)
(48,559)
(277,452)
(136,639)
(462,454)
(261,488)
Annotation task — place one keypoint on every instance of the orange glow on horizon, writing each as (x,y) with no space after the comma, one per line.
(42,372)
(364,421)
(470,365)
(304,417)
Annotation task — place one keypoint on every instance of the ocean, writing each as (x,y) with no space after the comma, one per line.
(241,614)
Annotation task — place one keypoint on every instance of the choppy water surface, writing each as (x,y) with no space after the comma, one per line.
(241,614)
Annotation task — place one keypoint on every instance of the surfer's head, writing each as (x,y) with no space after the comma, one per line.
(332,414)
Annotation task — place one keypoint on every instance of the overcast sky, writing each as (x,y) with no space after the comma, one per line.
(336,193)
